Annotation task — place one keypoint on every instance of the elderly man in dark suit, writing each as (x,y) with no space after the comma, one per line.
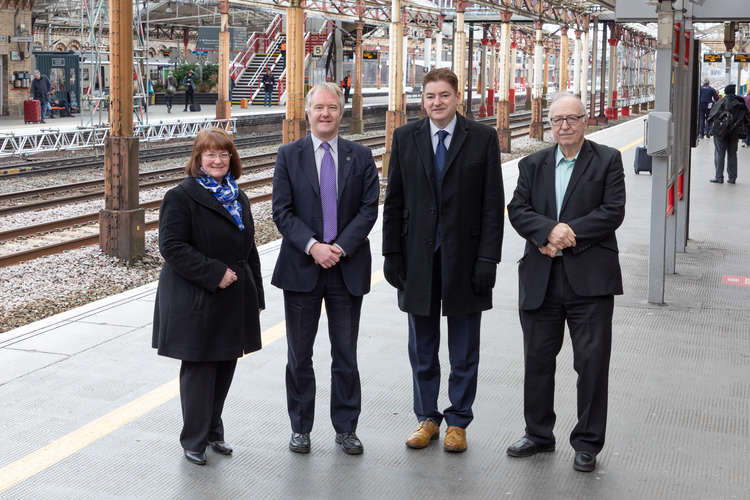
(569,201)
(325,202)
(442,236)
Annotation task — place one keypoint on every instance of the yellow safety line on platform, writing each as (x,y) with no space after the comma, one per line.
(47,456)
(634,143)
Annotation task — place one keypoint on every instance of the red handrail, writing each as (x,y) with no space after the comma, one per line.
(254,43)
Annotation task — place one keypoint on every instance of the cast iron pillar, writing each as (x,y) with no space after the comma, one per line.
(223,105)
(504,83)
(121,223)
(356,125)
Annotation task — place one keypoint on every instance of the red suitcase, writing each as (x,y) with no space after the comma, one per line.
(32,111)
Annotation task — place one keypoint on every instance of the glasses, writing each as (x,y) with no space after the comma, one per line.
(212,156)
(570,120)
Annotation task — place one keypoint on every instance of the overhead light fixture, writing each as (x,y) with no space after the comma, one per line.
(168,10)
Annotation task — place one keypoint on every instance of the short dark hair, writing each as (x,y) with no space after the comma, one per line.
(441,75)
(213,138)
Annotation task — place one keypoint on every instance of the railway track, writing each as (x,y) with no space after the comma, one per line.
(147,181)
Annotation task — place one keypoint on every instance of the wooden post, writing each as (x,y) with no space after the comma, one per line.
(504,83)
(356,125)
(121,223)
(295,126)
(563,86)
(395,116)
(223,105)
(469,74)
(536,129)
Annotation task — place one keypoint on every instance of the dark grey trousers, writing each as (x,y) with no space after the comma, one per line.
(728,147)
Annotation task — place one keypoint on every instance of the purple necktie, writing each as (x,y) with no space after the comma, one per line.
(328,194)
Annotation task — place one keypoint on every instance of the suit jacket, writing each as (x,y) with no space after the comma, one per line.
(468,207)
(593,206)
(194,319)
(299,217)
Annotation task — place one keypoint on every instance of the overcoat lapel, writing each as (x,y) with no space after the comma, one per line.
(345,165)
(307,163)
(459,136)
(549,183)
(582,164)
(423,142)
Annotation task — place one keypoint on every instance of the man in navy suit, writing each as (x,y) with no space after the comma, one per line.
(325,202)
(569,201)
(442,237)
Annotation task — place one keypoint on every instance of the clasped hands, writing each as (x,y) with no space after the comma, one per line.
(325,255)
(561,237)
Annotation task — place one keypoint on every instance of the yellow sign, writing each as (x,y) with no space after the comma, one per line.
(712,58)
(742,58)
(369,54)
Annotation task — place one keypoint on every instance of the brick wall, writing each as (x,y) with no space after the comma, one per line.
(13,99)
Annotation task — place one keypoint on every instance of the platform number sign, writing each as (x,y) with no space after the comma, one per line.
(317,50)
(712,58)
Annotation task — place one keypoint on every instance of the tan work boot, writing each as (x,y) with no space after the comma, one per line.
(455,439)
(426,431)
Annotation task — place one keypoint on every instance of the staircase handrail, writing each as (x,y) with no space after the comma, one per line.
(256,40)
(256,76)
(326,29)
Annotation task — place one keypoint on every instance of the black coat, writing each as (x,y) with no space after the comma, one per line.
(194,319)
(299,217)
(471,213)
(593,206)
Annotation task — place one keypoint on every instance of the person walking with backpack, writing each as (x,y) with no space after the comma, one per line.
(728,121)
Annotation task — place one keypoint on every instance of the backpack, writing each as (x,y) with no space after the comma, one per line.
(722,124)
(728,118)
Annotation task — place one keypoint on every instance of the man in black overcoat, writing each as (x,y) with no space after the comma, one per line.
(569,201)
(442,238)
(325,202)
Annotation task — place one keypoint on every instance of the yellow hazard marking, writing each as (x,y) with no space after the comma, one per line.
(634,143)
(62,448)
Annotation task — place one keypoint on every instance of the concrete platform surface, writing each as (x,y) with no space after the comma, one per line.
(90,411)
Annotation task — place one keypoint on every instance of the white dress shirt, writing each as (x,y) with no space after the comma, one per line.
(450,128)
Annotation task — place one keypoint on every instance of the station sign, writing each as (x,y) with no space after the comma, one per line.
(22,39)
(712,58)
(742,58)
(369,54)
(58,62)
(208,38)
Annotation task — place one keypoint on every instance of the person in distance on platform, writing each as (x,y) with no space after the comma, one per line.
(40,87)
(210,290)
(189,85)
(442,239)
(171,90)
(268,82)
(728,121)
(569,201)
(346,83)
(707,98)
(325,202)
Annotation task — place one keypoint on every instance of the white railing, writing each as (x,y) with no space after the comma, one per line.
(50,140)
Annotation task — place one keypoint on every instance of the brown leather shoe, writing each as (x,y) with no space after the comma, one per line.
(455,439)
(426,431)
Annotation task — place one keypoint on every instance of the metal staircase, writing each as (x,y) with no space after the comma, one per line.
(249,85)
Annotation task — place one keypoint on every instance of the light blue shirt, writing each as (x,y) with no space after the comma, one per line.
(563,171)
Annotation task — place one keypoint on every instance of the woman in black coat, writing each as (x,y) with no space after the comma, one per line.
(210,291)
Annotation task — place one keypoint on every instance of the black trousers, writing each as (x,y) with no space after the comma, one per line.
(302,311)
(189,97)
(463,350)
(725,147)
(203,389)
(590,323)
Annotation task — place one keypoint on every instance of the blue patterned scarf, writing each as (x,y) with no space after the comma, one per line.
(225,193)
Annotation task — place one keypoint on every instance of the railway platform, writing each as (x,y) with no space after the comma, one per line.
(90,411)
(158,113)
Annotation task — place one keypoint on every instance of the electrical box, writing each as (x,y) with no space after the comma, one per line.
(659,138)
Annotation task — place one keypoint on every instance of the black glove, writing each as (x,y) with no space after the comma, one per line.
(484,277)
(393,269)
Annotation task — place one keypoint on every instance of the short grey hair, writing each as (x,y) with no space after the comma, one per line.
(328,87)
(558,96)
(706,81)
(37,72)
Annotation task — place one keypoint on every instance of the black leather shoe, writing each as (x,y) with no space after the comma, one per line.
(300,442)
(350,443)
(731,181)
(525,447)
(221,447)
(717,181)
(195,457)
(584,461)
